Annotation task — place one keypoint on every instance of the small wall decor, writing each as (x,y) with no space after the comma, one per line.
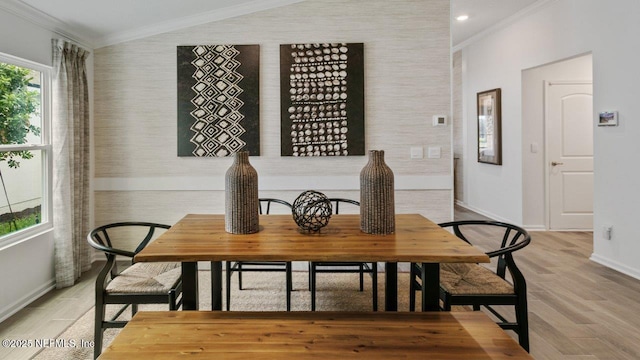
(489,127)
(312,210)
(241,196)
(377,200)
(218,100)
(322,99)
(608,118)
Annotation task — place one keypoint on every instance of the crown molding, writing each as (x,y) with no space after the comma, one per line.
(45,21)
(48,22)
(537,6)
(189,21)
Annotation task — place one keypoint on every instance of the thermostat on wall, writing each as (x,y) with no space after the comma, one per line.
(440,120)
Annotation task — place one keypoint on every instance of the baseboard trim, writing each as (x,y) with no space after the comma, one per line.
(535,227)
(634,273)
(23,302)
(483,213)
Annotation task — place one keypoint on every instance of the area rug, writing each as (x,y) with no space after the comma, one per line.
(261,292)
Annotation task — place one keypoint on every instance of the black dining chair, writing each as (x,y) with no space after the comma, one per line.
(265,206)
(134,284)
(360,268)
(477,285)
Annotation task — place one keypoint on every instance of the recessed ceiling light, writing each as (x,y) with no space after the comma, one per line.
(462,17)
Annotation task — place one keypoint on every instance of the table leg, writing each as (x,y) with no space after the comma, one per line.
(189,286)
(216,285)
(391,287)
(430,287)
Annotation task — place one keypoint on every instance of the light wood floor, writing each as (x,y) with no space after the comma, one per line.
(49,316)
(577,308)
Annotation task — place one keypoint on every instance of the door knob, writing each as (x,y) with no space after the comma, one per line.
(553,163)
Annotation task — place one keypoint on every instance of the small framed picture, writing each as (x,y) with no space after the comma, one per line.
(608,118)
(490,127)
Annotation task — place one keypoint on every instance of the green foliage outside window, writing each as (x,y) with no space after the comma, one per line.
(17,105)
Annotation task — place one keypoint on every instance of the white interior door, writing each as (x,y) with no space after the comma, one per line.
(569,124)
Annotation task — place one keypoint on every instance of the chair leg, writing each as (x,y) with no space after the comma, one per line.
(412,289)
(374,287)
(309,272)
(446,303)
(312,283)
(289,284)
(361,277)
(239,275)
(172,301)
(97,333)
(522,318)
(228,282)
(134,309)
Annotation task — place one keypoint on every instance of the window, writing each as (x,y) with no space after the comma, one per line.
(25,149)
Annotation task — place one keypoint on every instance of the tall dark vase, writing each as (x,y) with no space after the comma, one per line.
(241,196)
(377,203)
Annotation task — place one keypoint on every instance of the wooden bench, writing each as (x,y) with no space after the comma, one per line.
(321,335)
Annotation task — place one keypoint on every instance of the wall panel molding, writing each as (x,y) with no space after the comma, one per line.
(266,183)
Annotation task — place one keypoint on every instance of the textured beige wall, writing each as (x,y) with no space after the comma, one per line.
(407,81)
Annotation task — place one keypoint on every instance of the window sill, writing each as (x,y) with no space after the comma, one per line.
(24,235)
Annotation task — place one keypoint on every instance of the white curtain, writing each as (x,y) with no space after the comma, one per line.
(70,139)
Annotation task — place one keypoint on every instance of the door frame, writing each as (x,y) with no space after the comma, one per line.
(547,160)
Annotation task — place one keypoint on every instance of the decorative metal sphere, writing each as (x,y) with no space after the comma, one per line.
(312,210)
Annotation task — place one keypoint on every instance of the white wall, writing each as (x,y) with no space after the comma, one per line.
(559,30)
(407,81)
(26,267)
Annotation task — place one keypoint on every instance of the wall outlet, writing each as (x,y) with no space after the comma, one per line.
(417,152)
(606,232)
(434,152)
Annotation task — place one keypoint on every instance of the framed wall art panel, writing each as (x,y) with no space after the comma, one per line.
(218,100)
(322,99)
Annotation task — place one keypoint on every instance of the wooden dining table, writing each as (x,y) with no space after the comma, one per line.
(202,237)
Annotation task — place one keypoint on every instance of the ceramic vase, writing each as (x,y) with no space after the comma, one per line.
(241,196)
(377,203)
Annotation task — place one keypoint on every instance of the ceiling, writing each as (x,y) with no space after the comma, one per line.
(483,14)
(100,23)
(98,18)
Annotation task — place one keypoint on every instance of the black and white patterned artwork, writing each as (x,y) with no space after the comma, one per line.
(322,99)
(218,100)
